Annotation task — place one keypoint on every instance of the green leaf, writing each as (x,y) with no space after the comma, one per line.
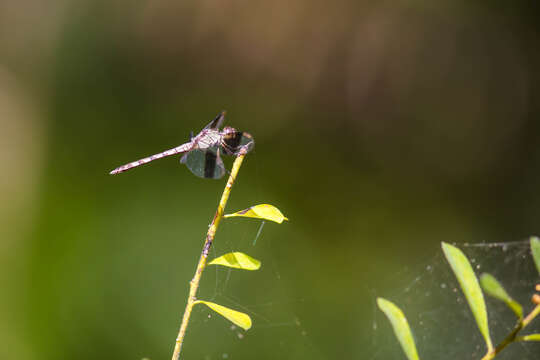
(237,260)
(535,249)
(236,317)
(262,211)
(401,327)
(492,287)
(531,337)
(470,287)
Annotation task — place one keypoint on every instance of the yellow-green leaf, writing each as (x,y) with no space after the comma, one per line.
(401,327)
(262,211)
(492,287)
(531,337)
(236,317)
(237,260)
(471,288)
(535,248)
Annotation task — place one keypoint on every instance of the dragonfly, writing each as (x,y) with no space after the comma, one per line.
(202,154)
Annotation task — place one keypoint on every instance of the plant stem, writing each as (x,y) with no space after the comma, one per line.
(194,283)
(513,335)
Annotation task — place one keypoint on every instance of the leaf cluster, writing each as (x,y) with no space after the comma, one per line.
(472,289)
(239,260)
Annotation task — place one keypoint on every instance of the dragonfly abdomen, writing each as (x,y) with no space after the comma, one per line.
(179,149)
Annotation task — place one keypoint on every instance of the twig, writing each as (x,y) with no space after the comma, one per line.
(512,337)
(194,283)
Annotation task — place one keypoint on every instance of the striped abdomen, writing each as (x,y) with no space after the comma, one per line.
(179,149)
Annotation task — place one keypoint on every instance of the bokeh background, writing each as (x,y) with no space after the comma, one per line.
(382,128)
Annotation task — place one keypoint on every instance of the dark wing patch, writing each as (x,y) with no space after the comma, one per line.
(209,164)
(204,163)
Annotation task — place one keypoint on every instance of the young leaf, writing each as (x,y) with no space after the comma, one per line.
(236,317)
(492,287)
(237,260)
(470,287)
(531,337)
(401,327)
(535,248)
(262,211)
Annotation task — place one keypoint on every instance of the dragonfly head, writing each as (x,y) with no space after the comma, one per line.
(235,142)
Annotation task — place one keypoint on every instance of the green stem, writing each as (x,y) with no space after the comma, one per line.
(194,283)
(512,337)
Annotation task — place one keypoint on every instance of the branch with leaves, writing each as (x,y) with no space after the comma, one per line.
(203,159)
(236,260)
(472,289)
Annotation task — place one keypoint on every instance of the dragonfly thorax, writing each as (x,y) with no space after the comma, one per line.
(208,138)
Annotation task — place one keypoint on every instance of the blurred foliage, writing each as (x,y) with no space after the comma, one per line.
(380,128)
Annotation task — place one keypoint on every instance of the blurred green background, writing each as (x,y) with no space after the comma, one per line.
(381,129)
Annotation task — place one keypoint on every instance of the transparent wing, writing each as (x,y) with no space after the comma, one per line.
(217,122)
(204,163)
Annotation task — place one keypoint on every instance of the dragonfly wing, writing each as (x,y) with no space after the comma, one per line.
(236,141)
(205,163)
(217,122)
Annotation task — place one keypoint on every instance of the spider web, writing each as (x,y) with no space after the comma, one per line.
(439,316)
(277,331)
